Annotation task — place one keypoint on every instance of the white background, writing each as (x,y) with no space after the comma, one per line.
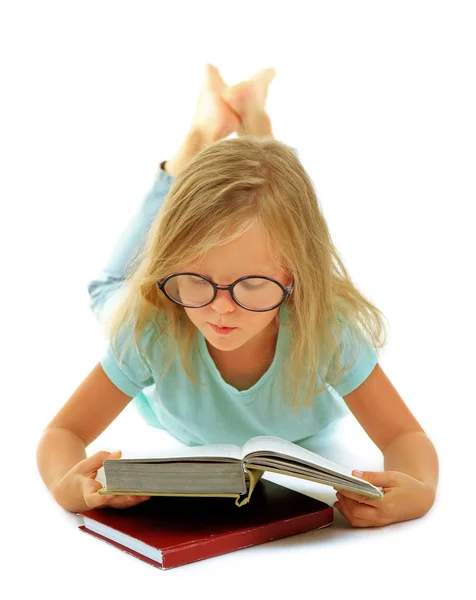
(379,99)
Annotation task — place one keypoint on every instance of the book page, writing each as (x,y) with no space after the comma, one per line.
(267,443)
(209,451)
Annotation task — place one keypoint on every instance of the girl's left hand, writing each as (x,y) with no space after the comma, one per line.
(404,498)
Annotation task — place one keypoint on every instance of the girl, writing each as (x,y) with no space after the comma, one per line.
(230,315)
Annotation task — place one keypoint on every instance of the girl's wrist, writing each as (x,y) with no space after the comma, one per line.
(69,495)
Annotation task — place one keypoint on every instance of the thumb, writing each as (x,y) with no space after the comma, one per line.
(90,486)
(377,478)
(94,462)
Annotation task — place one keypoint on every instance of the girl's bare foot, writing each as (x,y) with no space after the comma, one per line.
(221,110)
(214,118)
(248,100)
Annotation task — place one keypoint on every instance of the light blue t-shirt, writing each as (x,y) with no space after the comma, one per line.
(219,413)
(216,412)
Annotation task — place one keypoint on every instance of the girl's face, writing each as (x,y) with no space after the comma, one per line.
(247,255)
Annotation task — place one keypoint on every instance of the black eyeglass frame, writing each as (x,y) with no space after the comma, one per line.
(287,290)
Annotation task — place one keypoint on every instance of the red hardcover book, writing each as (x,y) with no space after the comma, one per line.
(170,531)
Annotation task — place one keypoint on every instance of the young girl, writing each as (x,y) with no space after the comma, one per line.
(231,315)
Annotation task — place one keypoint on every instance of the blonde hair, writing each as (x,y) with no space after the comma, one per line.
(231,185)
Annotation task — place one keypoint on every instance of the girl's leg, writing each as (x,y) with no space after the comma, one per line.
(216,112)
(105,289)
(248,100)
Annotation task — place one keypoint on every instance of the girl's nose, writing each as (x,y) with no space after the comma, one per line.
(223,301)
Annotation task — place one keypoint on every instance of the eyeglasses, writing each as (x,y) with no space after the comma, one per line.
(253,292)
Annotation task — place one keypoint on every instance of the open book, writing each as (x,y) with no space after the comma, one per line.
(226,470)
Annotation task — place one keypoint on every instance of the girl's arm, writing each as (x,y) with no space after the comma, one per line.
(62,445)
(389,423)
(410,478)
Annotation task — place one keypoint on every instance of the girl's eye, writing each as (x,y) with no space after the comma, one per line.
(254,287)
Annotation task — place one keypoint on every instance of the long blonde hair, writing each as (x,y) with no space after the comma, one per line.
(231,185)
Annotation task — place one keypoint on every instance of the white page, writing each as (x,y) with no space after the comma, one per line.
(122,538)
(264,443)
(212,450)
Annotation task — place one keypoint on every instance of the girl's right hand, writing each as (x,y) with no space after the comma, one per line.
(77,490)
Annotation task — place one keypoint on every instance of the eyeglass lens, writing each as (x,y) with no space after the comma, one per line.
(252,292)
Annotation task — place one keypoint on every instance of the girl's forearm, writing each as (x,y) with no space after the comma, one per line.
(414,454)
(58,451)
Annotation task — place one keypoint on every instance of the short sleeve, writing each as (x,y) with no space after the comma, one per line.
(360,356)
(131,374)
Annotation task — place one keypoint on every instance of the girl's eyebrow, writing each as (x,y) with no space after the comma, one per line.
(252,271)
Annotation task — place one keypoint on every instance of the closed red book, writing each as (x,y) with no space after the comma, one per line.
(170,531)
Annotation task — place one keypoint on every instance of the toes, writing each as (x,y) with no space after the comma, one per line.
(265,75)
(213,78)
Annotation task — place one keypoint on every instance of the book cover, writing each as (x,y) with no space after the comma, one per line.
(170,531)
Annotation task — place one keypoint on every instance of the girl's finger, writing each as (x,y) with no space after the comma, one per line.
(95,500)
(369,520)
(359,498)
(90,493)
(355,510)
(90,486)
(126,501)
(90,465)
